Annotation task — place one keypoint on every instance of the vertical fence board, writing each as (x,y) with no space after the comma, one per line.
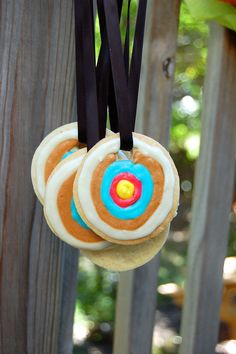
(212,197)
(36,95)
(136,301)
(65,344)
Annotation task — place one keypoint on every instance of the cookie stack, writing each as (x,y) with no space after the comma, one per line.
(112,193)
(116,207)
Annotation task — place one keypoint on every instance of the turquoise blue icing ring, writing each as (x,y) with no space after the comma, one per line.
(142,174)
(75,215)
(68,153)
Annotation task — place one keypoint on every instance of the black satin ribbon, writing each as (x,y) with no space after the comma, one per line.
(106,84)
(126,95)
(80,89)
(127,41)
(88,121)
(118,73)
(92,121)
(106,94)
(102,72)
(135,65)
(113,116)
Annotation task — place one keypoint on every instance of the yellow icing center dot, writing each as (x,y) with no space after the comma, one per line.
(125,189)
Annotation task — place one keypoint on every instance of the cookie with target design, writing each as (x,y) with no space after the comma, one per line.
(55,146)
(59,208)
(130,200)
(49,153)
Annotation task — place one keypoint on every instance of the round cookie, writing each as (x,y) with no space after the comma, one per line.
(129,217)
(59,208)
(120,258)
(49,153)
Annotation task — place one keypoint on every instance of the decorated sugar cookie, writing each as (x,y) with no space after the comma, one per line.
(129,200)
(49,153)
(120,258)
(55,146)
(59,207)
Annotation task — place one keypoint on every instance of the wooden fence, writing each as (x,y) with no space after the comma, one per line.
(37,94)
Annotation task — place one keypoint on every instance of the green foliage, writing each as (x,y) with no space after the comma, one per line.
(123,21)
(232,237)
(189,76)
(96,292)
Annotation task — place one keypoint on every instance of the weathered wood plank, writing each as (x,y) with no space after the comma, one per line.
(212,197)
(136,301)
(36,95)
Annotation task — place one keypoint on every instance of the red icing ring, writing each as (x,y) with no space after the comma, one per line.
(124,203)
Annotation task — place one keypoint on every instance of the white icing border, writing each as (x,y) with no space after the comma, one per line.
(42,153)
(91,162)
(63,171)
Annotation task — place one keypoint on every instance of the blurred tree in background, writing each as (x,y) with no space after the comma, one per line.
(97,287)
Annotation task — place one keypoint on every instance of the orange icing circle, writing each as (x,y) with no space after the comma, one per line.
(56,155)
(64,198)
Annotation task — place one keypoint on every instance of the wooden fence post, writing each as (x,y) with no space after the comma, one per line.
(212,198)
(136,301)
(37,271)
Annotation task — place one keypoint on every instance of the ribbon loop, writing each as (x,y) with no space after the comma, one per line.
(118,73)
(114,82)
(88,123)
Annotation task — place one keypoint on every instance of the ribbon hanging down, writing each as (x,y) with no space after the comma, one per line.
(88,123)
(113,82)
